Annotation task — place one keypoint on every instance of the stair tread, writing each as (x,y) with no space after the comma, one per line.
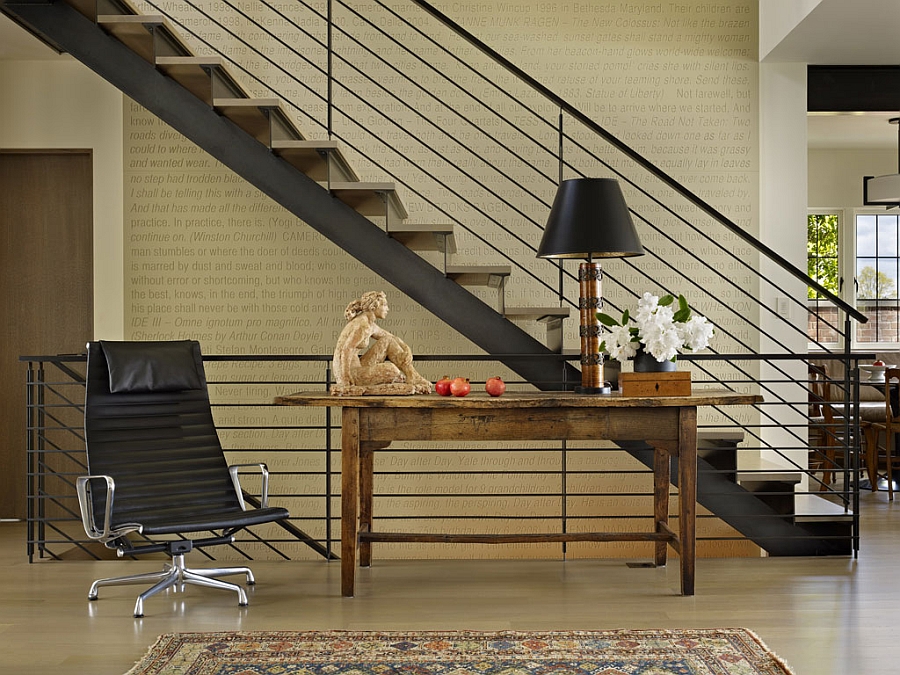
(154,19)
(431,228)
(247,103)
(810,508)
(89,7)
(195,73)
(537,312)
(133,30)
(306,155)
(262,118)
(503,270)
(365,197)
(752,468)
(492,276)
(425,236)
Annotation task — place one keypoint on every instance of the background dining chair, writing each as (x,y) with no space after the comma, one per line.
(883,457)
(158,478)
(830,445)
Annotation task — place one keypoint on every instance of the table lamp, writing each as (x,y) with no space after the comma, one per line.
(590,219)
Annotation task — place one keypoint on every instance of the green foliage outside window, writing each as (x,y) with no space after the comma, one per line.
(822,251)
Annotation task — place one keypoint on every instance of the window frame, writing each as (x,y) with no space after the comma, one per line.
(849,264)
(842,272)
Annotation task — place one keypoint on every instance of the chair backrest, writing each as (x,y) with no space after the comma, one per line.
(148,424)
(890,396)
(819,392)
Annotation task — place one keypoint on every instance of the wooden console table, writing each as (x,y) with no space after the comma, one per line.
(668,423)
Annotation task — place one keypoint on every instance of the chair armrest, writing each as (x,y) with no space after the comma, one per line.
(234,470)
(86,503)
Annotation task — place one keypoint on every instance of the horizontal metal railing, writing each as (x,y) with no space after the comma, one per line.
(558,486)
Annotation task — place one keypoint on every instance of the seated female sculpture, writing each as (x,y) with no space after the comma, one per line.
(385,367)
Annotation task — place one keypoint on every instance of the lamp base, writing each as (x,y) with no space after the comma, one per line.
(604,390)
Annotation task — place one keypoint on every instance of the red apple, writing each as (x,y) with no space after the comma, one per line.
(460,386)
(442,386)
(495,386)
(878,363)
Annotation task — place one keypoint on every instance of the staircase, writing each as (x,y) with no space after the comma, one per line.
(198,97)
(312,178)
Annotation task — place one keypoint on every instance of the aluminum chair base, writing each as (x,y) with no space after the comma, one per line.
(177,575)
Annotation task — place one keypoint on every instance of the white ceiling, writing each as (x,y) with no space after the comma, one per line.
(848,32)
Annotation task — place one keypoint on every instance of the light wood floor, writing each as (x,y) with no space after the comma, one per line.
(825,616)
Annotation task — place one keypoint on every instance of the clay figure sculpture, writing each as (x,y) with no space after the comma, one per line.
(385,367)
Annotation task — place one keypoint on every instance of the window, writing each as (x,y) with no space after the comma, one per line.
(870,254)
(876,270)
(823,265)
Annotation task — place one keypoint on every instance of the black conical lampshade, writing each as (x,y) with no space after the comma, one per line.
(589,219)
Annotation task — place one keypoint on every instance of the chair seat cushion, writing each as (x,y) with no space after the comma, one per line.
(166,523)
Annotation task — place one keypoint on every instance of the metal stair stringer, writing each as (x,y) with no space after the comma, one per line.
(746,512)
(71,32)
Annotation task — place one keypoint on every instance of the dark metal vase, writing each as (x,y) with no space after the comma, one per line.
(645,362)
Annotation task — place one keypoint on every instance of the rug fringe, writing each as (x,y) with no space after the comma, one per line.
(780,661)
(140,662)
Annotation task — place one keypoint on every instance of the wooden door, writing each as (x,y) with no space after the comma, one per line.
(46,268)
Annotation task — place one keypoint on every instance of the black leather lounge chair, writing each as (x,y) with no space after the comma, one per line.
(156,465)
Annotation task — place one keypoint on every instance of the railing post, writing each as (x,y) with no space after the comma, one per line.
(29,453)
(857,442)
(39,429)
(330,94)
(328,477)
(562,297)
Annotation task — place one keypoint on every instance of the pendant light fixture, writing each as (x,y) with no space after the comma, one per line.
(884,190)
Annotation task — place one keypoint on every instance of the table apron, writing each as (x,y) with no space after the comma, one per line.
(459,424)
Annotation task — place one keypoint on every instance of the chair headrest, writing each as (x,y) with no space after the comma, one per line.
(151,366)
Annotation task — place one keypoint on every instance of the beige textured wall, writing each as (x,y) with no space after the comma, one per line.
(208,256)
(62,104)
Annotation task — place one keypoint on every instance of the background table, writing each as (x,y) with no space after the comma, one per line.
(668,423)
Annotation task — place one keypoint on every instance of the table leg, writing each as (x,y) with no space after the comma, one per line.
(687,496)
(662,462)
(349,498)
(366,470)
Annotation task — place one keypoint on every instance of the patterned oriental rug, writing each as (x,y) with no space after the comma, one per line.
(730,651)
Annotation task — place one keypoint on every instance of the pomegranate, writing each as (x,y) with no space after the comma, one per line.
(460,386)
(495,386)
(442,386)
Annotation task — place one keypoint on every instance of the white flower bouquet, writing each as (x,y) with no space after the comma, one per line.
(658,329)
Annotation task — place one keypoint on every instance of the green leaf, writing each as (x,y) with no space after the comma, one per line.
(625,317)
(666,300)
(606,319)
(603,346)
(684,311)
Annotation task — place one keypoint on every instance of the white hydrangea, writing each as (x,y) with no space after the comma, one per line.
(621,346)
(655,330)
(696,333)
